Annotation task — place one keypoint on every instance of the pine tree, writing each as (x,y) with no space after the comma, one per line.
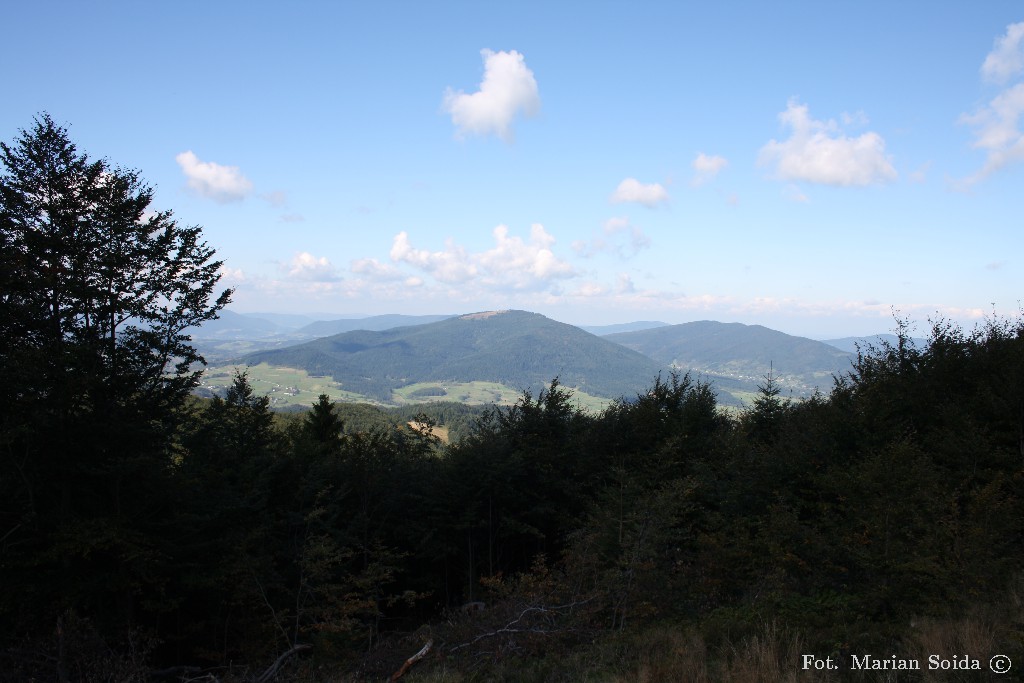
(96,294)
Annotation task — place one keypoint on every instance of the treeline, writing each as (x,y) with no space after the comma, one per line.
(895,498)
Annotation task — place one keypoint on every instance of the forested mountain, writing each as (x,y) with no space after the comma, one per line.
(326,328)
(741,352)
(286,321)
(515,348)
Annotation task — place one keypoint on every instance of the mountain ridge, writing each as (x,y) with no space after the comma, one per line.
(744,352)
(516,348)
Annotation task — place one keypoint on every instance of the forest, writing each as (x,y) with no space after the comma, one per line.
(149,535)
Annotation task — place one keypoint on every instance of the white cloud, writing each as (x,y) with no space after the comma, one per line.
(997,124)
(590,289)
(375,270)
(451,265)
(632,190)
(508,88)
(818,152)
(512,262)
(997,132)
(231,274)
(521,262)
(305,266)
(707,167)
(1006,59)
(211,180)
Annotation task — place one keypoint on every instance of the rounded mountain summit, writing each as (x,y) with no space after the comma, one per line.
(518,349)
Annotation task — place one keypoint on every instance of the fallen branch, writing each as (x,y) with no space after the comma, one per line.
(412,660)
(272,671)
(512,626)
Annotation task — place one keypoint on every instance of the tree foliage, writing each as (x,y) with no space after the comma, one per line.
(95,292)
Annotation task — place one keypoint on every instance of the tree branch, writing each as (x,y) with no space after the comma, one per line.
(272,671)
(412,660)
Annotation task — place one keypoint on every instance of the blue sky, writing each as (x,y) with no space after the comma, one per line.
(807,166)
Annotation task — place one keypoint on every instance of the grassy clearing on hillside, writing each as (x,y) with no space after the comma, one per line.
(289,387)
(285,386)
(477,393)
(480,393)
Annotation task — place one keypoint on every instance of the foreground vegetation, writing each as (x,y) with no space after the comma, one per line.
(657,540)
(148,535)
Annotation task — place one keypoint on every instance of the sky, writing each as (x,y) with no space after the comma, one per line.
(818,168)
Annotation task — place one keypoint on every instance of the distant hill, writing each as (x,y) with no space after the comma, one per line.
(515,348)
(286,321)
(741,352)
(849,344)
(326,328)
(602,330)
(233,334)
(231,325)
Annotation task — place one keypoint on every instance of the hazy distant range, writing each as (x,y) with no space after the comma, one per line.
(373,356)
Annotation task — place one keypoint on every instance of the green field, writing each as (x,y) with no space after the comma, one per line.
(480,393)
(285,386)
(291,387)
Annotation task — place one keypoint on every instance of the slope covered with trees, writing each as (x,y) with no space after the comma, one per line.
(515,348)
(741,352)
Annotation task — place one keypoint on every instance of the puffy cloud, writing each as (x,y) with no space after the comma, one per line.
(508,88)
(524,263)
(1006,59)
(632,190)
(451,265)
(211,180)
(818,152)
(996,125)
(375,270)
(512,262)
(707,167)
(305,266)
